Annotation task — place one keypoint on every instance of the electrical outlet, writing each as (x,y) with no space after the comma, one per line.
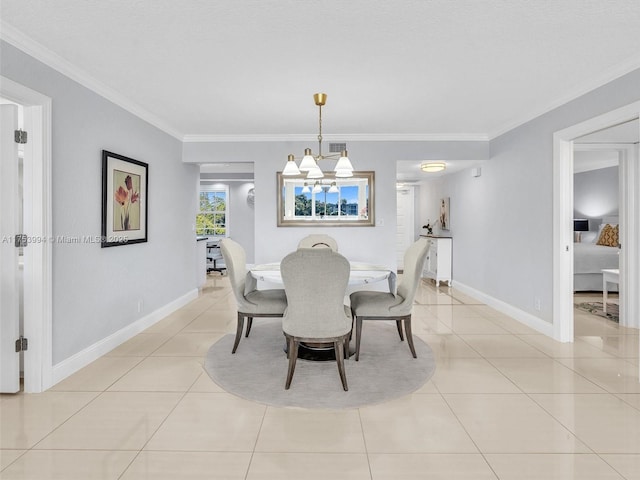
(537,304)
(380,222)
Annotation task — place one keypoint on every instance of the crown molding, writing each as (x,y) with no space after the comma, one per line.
(29,46)
(605,77)
(355,137)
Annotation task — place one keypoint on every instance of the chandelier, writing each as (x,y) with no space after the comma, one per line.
(309,162)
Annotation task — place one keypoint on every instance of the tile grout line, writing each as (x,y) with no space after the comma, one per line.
(159,426)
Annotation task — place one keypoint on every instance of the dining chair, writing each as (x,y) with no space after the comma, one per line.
(250,301)
(315,280)
(369,305)
(318,240)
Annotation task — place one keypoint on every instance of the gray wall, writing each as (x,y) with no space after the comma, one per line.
(96,291)
(502,221)
(242,217)
(596,195)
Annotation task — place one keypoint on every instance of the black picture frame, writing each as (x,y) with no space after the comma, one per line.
(125,187)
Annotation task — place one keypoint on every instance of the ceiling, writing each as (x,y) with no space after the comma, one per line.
(406,70)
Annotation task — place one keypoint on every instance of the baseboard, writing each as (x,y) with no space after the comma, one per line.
(523,317)
(83,358)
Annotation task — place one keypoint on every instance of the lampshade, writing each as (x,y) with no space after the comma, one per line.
(432,167)
(306,188)
(580,225)
(343,163)
(291,168)
(308,162)
(315,173)
(317,188)
(333,188)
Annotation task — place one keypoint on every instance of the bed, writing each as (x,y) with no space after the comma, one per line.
(588,261)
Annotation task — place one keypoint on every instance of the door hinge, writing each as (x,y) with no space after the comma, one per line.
(20,136)
(21,240)
(21,344)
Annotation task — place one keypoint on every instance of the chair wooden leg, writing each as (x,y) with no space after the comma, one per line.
(249,323)
(358,336)
(399,327)
(293,356)
(238,332)
(353,321)
(338,345)
(407,327)
(346,346)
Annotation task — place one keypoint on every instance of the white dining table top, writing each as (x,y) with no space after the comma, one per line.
(361,274)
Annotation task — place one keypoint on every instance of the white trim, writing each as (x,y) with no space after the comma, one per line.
(562,239)
(83,358)
(38,273)
(563,213)
(521,316)
(605,77)
(53,60)
(629,178)
(353,137)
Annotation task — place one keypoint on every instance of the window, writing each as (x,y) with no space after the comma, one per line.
(212,219)
(321,203)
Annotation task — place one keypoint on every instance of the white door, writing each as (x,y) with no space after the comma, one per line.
(9,297)
(405,223)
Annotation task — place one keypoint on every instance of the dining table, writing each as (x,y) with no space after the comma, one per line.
(361,274)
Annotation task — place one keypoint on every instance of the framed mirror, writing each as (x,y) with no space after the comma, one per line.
(343,202)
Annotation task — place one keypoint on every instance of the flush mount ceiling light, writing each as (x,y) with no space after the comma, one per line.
(431,167)
(309,163)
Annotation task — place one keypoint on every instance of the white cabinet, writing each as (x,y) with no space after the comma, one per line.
(201,245)
(437,266)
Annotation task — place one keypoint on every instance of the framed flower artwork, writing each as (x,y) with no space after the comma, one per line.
(124,200)
(444,213)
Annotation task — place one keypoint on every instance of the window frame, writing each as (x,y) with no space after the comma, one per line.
(214,188)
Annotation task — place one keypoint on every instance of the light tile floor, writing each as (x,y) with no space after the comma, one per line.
(505,402)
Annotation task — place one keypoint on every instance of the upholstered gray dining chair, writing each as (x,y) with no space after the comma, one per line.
(318,240)
(250,302)
(368,305)
(315,280)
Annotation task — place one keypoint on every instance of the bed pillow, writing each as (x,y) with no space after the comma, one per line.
(588,237)
(608,236)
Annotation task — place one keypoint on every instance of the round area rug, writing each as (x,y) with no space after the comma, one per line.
(258,369)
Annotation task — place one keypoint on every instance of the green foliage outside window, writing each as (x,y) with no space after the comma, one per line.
(213,214)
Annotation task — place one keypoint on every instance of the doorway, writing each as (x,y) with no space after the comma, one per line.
(405,222)
(37,226)
(563,221)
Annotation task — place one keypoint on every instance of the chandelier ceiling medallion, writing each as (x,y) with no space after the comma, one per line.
(309,163)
